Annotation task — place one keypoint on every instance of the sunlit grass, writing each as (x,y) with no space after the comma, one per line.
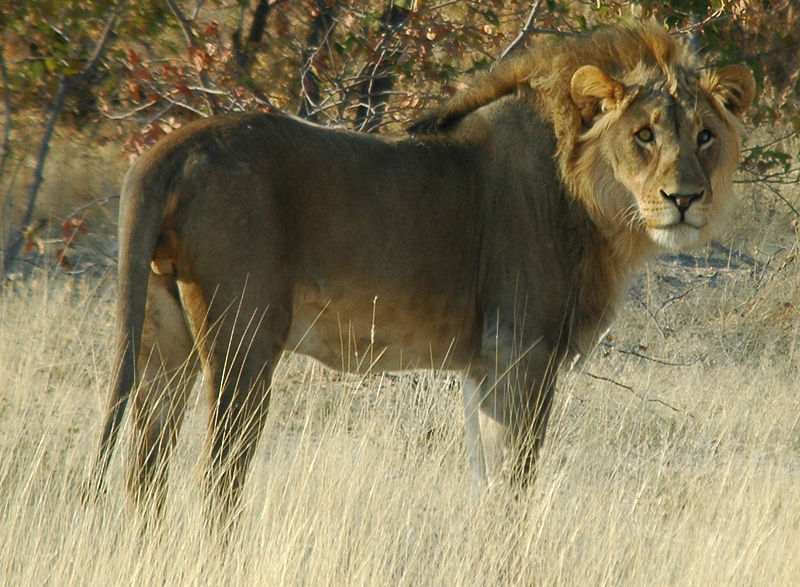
(653,473)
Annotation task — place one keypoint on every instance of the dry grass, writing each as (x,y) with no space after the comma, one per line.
(653,473)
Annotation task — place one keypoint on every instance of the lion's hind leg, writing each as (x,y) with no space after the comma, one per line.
(167,365)
(241,331)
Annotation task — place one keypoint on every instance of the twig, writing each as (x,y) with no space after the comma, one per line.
(97,202)
(633,391)
(186,27)
(781,197)
(100,46)
(774,190)
(634,353)
(526,31)
(671,300)
(714,16)
(197,8)
(130,113)
(652,316)
(260,97)
(609,380)
(774,141)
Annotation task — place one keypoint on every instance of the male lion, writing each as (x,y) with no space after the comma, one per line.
(495,240)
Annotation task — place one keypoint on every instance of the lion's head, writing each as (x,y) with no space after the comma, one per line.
(648,131)
(668,132)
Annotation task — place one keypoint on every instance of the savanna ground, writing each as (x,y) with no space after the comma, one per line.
(673,454)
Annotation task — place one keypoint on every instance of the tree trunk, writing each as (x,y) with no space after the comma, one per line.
(245,51)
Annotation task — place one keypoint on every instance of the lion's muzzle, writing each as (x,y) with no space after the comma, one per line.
(682,201)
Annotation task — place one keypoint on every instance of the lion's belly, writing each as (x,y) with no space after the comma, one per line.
(372,336)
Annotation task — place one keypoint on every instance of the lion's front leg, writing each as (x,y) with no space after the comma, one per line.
(472,389)
(506,411)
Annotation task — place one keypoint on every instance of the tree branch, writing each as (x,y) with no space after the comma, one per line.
(5,150)
(66,84)
(318,32)
(186,27)
(99,47)
(375,89)
(633,391)
(526,31)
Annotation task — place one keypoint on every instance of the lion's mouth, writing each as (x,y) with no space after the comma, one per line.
(683,222)
(672,218)
(674,236)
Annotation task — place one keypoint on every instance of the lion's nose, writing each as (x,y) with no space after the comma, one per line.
(682,201)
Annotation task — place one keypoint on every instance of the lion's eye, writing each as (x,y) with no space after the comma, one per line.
(704,137)
(645,135)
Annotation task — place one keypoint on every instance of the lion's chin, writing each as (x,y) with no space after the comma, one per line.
(676,237)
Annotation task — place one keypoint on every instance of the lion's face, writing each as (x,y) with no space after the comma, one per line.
(673,150)
(666,153)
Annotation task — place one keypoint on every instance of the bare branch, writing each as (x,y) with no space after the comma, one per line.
(775,191)
(97,202)
(318,34)
(378,80)
(186,27)
(99,47)
(526,31)
(5,150)
(639,355)
(633,391)
(609,380)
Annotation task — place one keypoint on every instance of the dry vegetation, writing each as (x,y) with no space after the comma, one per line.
(673,455)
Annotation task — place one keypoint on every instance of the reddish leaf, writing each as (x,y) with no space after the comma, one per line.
(135,91)
(181,87)
(33,245)
(61,257)
(200,58)
(133,57)
(71,228)
(153,132)
(212,28)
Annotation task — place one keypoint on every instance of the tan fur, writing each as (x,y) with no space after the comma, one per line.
(495,240)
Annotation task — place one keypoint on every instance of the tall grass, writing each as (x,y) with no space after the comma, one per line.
(683,471)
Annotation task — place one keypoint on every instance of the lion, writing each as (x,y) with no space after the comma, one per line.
(495,238)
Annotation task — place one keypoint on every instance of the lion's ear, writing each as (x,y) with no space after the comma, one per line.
(734,87)
(591,89)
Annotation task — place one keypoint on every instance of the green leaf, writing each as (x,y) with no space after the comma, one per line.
(491,17)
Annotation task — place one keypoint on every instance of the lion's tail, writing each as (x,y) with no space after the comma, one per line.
(143,202)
